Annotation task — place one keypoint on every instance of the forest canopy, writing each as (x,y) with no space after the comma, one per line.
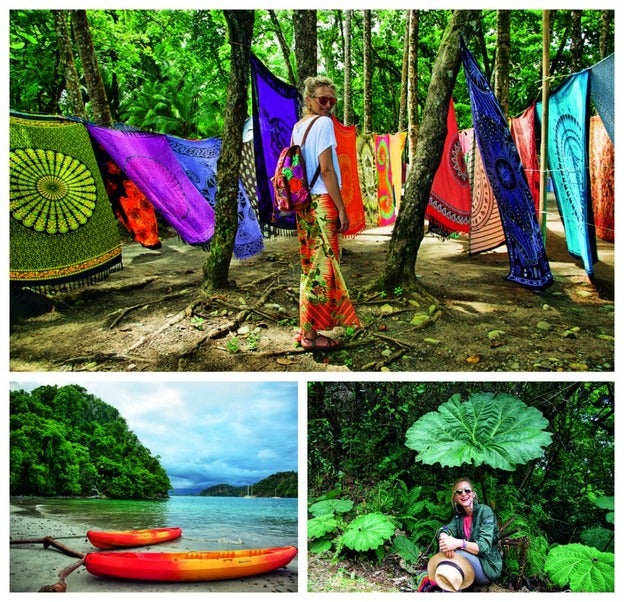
(67,442)
(168,70)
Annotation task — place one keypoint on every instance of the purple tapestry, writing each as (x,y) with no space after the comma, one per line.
(527,255)
(149,162)
(275,111)
(199,160)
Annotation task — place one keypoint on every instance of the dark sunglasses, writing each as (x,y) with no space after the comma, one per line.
(460,491)
(326,100)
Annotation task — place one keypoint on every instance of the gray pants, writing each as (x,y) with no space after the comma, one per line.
(480,578)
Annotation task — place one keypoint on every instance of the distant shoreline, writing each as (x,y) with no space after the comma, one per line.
(32,566)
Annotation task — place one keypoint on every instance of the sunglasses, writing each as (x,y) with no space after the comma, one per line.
(460,491)
(326,100)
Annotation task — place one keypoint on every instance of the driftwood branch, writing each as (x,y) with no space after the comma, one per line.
(60,585)
(47,542)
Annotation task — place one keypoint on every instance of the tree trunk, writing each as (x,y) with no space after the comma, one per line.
(606,17)
(412,85)
(216,269)
(75,102)
(346,93)
(284,46)
(93,78)
(404,67)
(576,41)
(304,24)
(503,49)
(409,229)
(368,74)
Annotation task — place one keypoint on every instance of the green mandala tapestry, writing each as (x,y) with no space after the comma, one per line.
(62,227)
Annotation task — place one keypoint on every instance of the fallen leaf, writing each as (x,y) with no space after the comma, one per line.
(473,359)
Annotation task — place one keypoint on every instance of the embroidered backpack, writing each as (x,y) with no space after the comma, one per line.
(290,182)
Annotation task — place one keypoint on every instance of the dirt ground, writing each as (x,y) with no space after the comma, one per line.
(151,316)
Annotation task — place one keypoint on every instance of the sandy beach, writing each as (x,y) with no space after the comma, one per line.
(32,566)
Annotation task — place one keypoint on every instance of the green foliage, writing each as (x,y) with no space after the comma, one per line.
(607,502)
(319,526)
(357,453)
(599,538)
(363,533)
(406,549)
(583,568)
(167,70)
(330,507)
(367,532)
(64,441)
(497,430)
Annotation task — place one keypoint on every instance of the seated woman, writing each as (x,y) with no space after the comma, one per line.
(472,534)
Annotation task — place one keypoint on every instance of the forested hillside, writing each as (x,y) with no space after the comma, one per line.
(280,484)
(66,442)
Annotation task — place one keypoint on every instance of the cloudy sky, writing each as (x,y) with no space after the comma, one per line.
(206,433)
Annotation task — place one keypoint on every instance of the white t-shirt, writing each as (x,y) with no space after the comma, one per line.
(320,137)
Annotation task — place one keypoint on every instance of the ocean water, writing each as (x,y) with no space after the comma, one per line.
(208,523)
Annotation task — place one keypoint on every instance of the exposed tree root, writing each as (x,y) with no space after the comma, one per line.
(233,325)
(120,314)
(100,358)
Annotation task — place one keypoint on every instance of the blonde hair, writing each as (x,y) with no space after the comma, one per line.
(310,84)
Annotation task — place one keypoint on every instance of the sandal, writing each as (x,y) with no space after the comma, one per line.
(320,342)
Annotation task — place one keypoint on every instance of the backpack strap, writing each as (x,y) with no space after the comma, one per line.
(305,135)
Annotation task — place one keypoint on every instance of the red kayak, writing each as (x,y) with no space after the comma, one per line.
(188,566)
(107,540)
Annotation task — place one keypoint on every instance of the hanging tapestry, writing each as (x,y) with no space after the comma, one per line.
(568,135)
(528,264)
(248,177)
(448,209)
(601,82)
(385,192)
(350,188)
(602,179)
(62,230)
(275,111)
(397,145)
(367,170)
(466,141)
(130,206)
(523,133)
(486,226)
(149,162)
(199,158)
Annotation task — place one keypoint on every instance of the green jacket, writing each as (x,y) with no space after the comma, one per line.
(484,532)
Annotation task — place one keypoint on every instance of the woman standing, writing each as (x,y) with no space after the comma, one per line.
(472,534)
(324,299)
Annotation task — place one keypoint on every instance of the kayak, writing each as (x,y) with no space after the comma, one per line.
(107,540)
(188,566)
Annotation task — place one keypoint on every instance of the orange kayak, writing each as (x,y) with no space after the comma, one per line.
(188,566)
(107,540)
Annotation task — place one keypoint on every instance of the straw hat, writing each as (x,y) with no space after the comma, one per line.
(451,574)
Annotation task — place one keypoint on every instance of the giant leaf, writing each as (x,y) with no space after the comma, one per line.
(330,507)
(367,532)
(585,569)
(321,525)
(496,429)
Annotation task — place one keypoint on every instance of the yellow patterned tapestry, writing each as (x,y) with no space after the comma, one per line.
(62,228)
